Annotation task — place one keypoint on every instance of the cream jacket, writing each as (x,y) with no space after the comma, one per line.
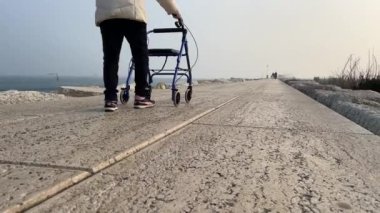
(128,9)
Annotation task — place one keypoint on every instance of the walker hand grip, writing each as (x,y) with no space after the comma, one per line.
(169,30)
(179,24)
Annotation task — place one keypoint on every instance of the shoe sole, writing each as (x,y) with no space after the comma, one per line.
(110,109)
(143,107)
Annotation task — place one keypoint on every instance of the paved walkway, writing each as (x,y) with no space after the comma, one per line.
(269,149)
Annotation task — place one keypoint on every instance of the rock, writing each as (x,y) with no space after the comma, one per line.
(16,97)
(237,80)
(214,81)
(80,91)
(161,85)
(221,81)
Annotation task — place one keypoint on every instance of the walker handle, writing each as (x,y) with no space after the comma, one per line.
(179,24)
(168,30)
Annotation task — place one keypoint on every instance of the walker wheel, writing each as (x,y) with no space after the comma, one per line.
(176,98)
(188,95)
(124,95)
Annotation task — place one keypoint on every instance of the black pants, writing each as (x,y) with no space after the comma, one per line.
(113,33)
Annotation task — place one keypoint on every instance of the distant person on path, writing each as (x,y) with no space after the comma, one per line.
(126,18)
(274,75)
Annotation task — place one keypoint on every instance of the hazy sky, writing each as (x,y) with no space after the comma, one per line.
(238,38)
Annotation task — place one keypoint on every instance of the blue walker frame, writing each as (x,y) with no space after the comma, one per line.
(177,72)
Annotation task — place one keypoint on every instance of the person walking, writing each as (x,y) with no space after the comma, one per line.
(126,18)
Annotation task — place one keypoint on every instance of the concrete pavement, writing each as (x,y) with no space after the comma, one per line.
(272,149)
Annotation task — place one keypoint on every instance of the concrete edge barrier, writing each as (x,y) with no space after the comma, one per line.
(352,111)
(46,194)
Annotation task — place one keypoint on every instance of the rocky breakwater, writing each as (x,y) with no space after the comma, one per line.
(80,91)
(360,106)
(20,97)
(223,81)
